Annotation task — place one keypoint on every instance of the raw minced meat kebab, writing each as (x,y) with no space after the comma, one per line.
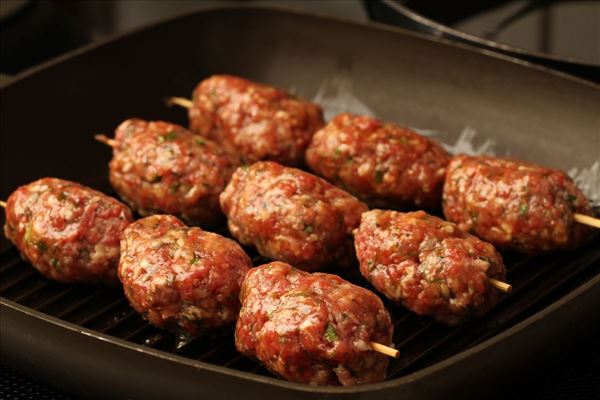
(254,121)
(291,215)
(68,232)
(312,328)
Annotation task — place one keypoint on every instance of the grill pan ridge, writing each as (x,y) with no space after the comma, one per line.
(87,340)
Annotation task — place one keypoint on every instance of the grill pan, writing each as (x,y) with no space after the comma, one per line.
(87,340)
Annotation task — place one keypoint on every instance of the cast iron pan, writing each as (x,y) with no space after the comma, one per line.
(50,114)
(395,13)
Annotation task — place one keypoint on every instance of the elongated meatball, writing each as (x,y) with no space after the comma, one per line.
(158,167)
(179,278)
(312,328)
(255,121)
(68,232)
(514,204)
(428,265)
(291,215)
(381,163)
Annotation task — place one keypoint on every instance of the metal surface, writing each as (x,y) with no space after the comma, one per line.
(393,12)
(87,340)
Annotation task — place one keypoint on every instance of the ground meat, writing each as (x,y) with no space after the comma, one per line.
(291,215)
(179,278)
(258,122)
(428,265)
(159,167)
(312,328)
(383,164)
(67,231)
(514,204)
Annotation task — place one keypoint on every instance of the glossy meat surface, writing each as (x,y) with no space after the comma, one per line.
(312,328)
(68,232)
(381,163)
(179,278)
(514,204)
(428,264)
(291,215)
(257,122)
(158,167)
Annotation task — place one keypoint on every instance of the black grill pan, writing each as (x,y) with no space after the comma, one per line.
(88,341)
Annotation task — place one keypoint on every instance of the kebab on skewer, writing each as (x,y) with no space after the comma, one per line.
(291,215)
(516,205)
(429,265)
(158,167)
(313,328)
(254,121)
(383,164)
(179,278)
(68,232)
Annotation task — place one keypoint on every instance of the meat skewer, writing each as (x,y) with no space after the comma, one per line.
(313,328)
(516,205)
(291,215)
(68,232)
(158,167)
(254,121)
(428,264)
(383,164)
(179,278)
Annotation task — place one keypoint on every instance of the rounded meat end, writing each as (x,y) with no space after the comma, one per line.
(514,204)
(381,163)
(312,328)
(158,167)
(428,264)
(291,215)
(179,278)
(255,121)
(68,232)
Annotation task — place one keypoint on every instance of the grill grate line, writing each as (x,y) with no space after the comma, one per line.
(27,294)
(6,286)
(537,282)
(54,298)
(77,305)
(98,313)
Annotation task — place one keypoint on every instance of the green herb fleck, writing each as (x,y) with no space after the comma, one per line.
(175,187)
(523,208)
(379,176)
(200,142)
(309,229)
(167,137)
(330,333)
(41,246)
(245,167)
(29,233)
(338,152)
(195,259)
(55,264)
(571,198)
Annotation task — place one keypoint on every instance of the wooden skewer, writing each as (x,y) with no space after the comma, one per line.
(2,204)
(383,349)
(106,140)
(505,287)
(180,101)
(587,220)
